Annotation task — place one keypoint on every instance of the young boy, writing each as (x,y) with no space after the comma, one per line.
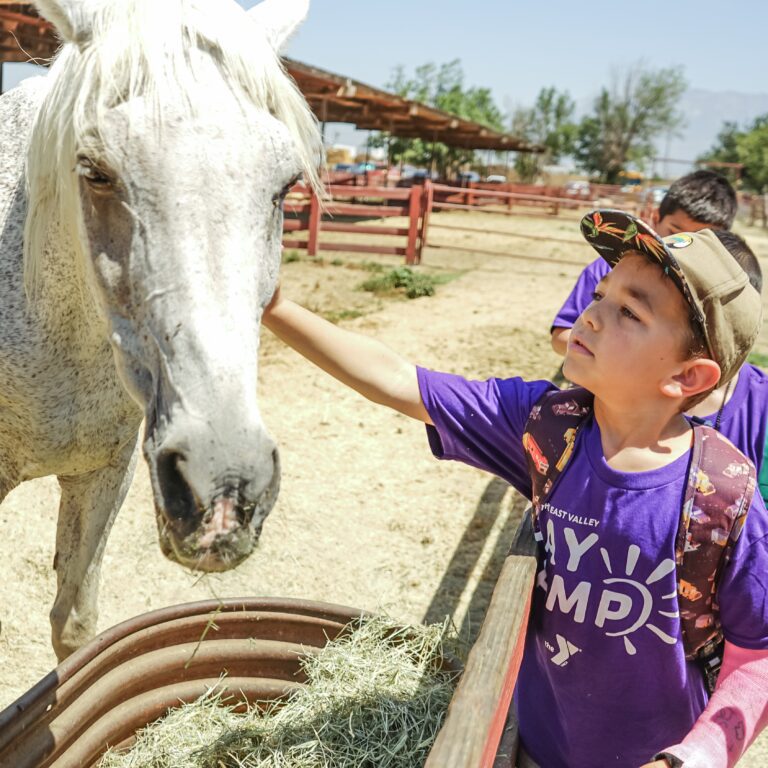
(738,408)
(604,680)
(700,200)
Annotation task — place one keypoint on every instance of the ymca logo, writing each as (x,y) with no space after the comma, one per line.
(564,650)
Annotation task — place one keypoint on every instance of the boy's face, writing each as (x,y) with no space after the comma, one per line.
(630,339)
(679,221)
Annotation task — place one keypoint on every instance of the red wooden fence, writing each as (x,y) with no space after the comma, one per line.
(350,208)
(345,210)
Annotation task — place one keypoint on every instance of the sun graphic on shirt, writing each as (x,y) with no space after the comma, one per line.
(625,603)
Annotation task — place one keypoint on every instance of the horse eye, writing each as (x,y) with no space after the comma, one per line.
(93,175)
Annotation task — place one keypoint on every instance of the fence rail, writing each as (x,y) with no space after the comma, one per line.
(346,209)
(305,212)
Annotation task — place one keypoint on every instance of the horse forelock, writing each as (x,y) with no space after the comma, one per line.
(141,49)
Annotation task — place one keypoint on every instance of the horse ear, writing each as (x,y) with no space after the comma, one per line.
(72,18)
(279,19)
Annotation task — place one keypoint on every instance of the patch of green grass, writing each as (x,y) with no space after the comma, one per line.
(290,256)
(371,266)
(342,314)
(338,262)
(400,280)
(404,280)
(759,359)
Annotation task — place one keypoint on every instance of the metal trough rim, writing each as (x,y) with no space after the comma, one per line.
(50,725)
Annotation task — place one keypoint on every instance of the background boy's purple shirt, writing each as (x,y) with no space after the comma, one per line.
(603,680)
(744,420)
(581,295)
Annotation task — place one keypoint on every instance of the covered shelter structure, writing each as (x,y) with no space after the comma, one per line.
(338,99)
(26,37)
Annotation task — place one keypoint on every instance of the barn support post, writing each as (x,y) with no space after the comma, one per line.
(414,212)
(314,223)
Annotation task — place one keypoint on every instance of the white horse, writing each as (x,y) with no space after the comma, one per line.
(141,183)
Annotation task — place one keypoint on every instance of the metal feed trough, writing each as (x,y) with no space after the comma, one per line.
(132,673)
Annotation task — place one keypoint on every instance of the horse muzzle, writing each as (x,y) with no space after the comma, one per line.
(210,517)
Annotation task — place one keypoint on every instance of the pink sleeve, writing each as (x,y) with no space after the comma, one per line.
(734,716)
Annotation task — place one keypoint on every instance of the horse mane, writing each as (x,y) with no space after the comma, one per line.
(140,48)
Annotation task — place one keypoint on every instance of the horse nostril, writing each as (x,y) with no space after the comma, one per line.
(178,499)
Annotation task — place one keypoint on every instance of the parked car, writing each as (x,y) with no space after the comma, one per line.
(361,168)
(344,167)
(466,177)
(496,178)
(577,188)
(655,195)
(409,172)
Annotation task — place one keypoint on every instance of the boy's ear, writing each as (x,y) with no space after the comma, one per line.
(655,218)
(697,375)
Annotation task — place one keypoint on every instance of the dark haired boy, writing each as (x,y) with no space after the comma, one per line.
(604,679)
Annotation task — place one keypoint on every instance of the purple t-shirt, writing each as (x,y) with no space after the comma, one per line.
(744,419)
(581,295)
(604,681)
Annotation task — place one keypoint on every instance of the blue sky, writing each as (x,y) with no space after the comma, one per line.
(516,47)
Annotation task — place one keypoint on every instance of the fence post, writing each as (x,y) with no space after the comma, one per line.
(314,223)
(414,210)
(426,209)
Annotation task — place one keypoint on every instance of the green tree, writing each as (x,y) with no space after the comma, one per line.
(725,149)
(549,122)
(748,146)
(627,118)
(441,87)
(752,150)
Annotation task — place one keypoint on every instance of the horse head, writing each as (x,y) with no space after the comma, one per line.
(167,142)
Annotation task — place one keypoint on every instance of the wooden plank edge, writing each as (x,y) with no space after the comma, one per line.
(475,717)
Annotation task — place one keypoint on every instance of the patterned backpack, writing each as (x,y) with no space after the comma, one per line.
(721,483)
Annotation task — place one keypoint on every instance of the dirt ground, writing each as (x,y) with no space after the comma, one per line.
(366,517)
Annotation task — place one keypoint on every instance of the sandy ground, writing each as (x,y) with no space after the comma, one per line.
(366,517)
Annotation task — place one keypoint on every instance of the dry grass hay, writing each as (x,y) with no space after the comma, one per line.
(376,697)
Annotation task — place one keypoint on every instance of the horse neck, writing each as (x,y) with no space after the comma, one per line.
(62,299)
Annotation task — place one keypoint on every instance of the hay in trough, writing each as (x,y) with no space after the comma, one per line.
(375,698)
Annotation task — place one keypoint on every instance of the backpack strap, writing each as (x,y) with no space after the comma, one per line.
(548,441)
(721,483)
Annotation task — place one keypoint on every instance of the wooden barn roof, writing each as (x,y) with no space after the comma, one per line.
(24,36)
(339,99)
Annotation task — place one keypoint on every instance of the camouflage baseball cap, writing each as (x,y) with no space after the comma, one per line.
(722,301)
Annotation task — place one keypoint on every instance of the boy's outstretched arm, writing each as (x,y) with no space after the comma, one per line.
(368,366)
